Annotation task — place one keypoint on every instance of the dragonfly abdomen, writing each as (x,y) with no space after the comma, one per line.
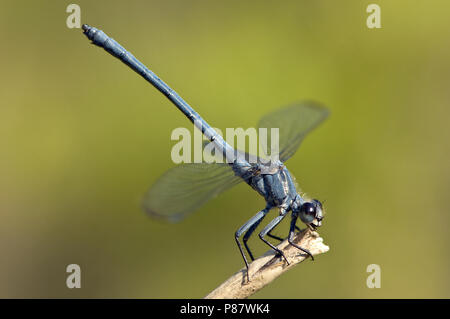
(99,38)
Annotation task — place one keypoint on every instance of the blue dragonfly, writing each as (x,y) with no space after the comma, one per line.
(186,187)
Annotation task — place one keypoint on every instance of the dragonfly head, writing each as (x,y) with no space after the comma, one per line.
(311,213)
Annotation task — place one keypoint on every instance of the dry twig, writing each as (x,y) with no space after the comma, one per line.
(268,267)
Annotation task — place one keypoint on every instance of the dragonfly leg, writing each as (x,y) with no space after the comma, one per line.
(279,238)
(275,237)
(249,233)
(291,236)
(269,228)
(244,228)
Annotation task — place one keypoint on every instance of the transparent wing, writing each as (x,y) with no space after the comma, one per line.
(186,187)
(294,123)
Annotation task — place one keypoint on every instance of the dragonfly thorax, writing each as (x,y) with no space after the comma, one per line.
(273,182)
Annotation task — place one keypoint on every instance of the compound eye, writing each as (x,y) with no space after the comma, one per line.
(317,202)
(309,209)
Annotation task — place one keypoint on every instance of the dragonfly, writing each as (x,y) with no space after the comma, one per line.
(185,188)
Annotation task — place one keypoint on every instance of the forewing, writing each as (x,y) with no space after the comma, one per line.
(186,187)
(294,123)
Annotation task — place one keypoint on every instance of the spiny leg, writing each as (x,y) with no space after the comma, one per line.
(255,219)
(291,236)
(248,234)
(281,239)
(269,228)
(275,237)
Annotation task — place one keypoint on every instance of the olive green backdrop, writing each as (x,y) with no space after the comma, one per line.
(82,138)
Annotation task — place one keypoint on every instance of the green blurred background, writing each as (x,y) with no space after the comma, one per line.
(83,137)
